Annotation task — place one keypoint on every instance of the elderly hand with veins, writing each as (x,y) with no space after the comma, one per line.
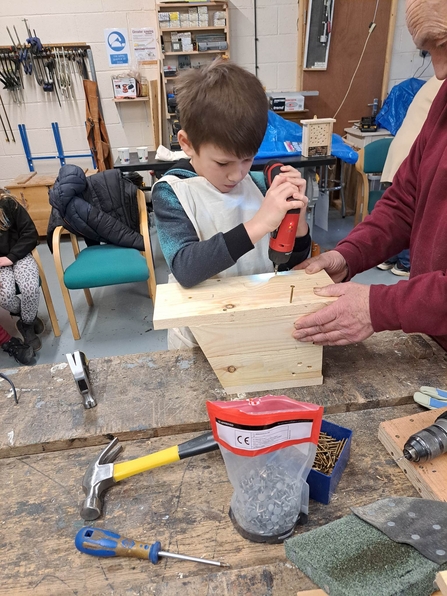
(345,321)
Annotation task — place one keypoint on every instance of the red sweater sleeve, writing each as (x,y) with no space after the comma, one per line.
(411,214)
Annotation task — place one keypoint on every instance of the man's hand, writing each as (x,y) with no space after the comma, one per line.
(332,262)
(345,321)
(5,262)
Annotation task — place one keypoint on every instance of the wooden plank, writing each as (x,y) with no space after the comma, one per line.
(389,49)
(312,593)
(441,582)
(42,180)
(155,111)
(184,505)
(239,299)
(429,478)
(168,392)
(239,373)
(21,180)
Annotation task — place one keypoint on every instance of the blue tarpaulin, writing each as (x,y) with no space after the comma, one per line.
(395,106)
(283,139)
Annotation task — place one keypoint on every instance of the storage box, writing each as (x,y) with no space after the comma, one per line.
(292,101)
(322,486)
(124,87)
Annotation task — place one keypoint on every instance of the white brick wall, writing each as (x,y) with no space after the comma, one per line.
(406,62)
(129,125)
(80,21)
(277,45)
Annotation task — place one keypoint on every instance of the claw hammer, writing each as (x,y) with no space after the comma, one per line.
(102,473)
(79,367)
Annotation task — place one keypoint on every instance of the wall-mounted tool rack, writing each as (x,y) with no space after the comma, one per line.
(53,66)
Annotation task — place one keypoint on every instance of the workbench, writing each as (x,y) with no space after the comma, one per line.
(160,167)
(156,400)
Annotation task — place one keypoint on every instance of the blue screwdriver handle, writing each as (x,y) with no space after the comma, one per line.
(104,543)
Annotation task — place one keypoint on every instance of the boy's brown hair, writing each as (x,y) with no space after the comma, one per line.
(225,105)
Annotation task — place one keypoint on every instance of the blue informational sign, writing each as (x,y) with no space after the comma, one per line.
(117,46)
(117,41)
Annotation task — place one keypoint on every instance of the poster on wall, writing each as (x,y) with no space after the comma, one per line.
(117,46)
(145,45)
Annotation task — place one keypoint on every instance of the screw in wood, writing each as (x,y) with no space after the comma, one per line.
(291,293)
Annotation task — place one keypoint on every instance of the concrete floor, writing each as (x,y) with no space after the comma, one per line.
(121,320)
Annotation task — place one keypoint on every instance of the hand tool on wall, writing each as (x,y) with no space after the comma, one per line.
(429,442)
(79,367)
(104,543)
(7,120)
(282,240)
(102,473)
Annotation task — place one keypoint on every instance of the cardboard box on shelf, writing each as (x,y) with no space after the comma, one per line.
(291,100)
(124,87)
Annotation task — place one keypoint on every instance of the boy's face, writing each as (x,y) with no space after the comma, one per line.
(223,170)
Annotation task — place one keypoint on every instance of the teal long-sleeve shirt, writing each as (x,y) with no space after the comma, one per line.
(191,260)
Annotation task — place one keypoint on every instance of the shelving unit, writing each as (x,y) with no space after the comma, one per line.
(178,28)
(131,100)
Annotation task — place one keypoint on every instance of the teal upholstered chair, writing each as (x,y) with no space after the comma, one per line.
(104,265)
(371,161)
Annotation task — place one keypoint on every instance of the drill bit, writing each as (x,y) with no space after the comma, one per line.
(276,269)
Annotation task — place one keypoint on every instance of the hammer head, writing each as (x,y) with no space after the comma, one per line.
(98,478)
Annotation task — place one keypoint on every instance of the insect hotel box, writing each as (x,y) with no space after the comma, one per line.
(317,137)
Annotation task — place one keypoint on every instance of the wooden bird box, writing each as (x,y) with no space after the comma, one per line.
(244,326)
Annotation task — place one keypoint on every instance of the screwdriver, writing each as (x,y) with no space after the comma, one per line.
(104,543)
(428,443)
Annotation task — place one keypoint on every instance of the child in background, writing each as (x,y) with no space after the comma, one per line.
(213,215)
(18,237)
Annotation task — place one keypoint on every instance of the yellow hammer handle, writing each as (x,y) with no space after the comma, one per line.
(142,464)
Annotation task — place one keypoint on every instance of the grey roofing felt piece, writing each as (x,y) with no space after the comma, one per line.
(349,557)
(422,523)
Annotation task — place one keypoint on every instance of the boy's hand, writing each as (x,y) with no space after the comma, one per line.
(5,262)
(275,205)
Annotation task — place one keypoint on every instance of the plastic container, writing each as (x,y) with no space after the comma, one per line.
(322,486)
(268,445)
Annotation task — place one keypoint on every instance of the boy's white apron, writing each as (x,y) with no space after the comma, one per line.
(211,212)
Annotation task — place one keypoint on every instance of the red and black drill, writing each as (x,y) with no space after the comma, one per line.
(282,240)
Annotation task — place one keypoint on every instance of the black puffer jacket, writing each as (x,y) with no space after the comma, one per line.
(102,207)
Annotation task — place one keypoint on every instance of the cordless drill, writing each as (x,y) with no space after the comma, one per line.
(428,443)
(282,240)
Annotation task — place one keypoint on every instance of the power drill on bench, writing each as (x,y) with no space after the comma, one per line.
(282,240)
(428,443)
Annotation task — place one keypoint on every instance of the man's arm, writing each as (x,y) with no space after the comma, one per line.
(192,261)
(386,231)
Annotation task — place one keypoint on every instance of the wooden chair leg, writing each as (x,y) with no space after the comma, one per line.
(88,297)
(60,274)
(70,312)
(144,230)
(46,295)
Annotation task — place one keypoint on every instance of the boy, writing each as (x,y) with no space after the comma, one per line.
(213,215)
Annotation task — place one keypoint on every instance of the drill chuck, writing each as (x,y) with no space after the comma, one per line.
(428,443)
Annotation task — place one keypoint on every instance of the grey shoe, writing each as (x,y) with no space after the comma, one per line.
(18,350)
(39,326)
(26,330)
